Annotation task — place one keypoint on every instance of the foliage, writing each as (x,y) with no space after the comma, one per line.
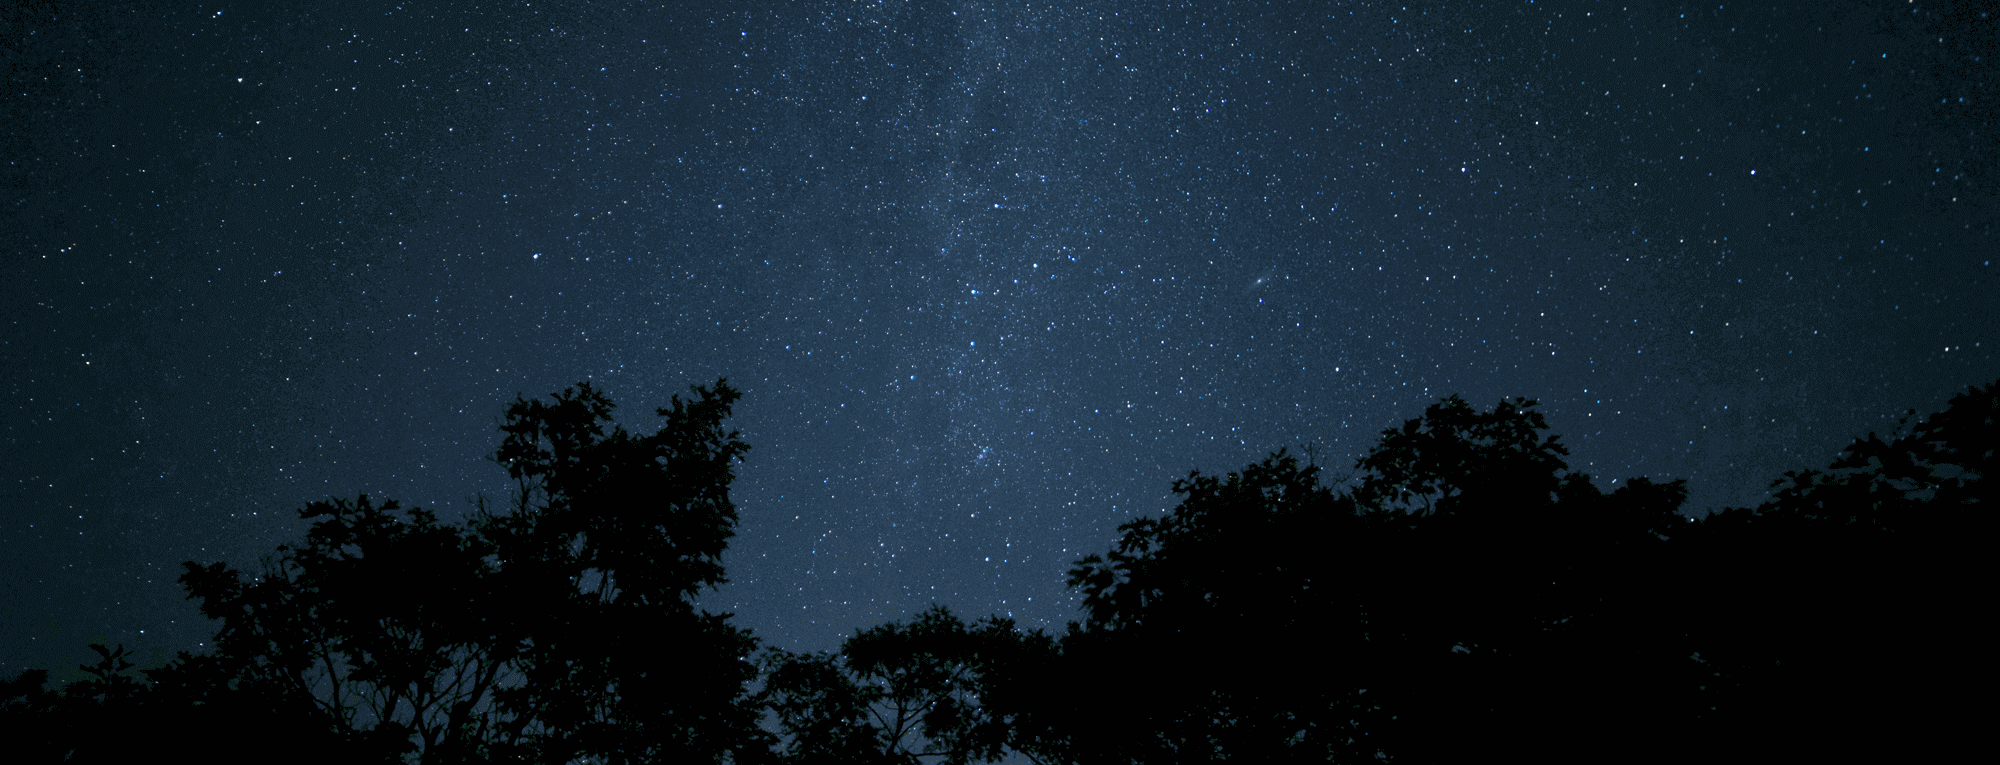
(1464,594)
(1467,593)
(1847,597)
(1308,622)
(334,631)
(612,535)
(897,693)
(560,631)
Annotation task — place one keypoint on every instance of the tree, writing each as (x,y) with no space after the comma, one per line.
(1466,594)
(1422,611)
(377,626)
(1503,583)
(1839,615)
(1218,629)
(613,535)
(32,725)
(562,630)
(933,690)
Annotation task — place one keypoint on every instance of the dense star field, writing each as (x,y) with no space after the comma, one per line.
(990,277)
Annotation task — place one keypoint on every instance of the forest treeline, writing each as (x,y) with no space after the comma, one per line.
(1461,595)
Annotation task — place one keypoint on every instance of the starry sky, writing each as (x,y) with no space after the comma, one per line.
(990,275)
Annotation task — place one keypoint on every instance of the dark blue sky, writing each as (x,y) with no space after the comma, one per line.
(990,276)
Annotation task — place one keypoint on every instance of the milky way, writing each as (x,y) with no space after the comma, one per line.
(990,277)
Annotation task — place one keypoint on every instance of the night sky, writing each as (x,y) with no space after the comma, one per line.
(990,276)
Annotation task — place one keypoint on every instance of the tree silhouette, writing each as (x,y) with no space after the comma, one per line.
(562,630)
(377,626)
(1463,595)
(1218,628)
(1842,619)
(928,691)
(612,536)
(32,724)
(1503,588)
(40,725)
(1466,594)
(1431,610)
